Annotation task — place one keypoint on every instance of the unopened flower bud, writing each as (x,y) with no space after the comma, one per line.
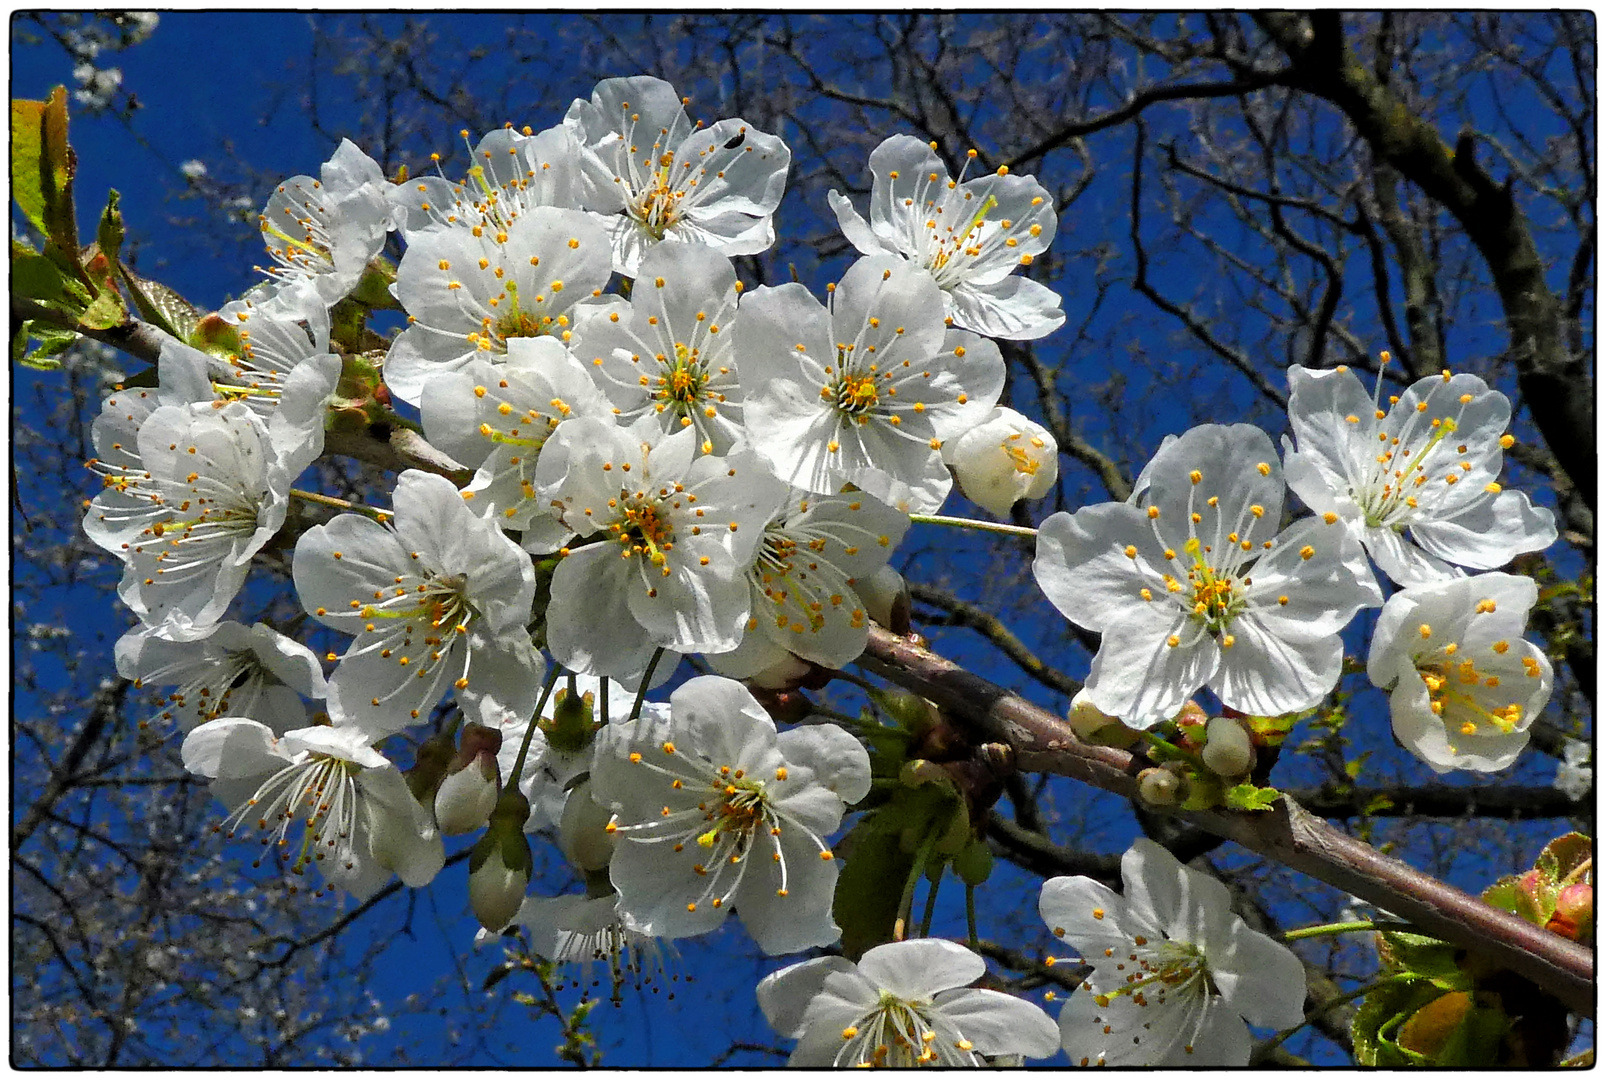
(500,866)
(468,794)
(886,598)
(1574,916)
(1002,460)
(1161,787)
(1228,751)
(583,833)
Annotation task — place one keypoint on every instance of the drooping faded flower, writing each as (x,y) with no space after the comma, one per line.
(325,794)
(714,809)
(438,600)
(223,669)
(1417,483)
(325,231)
(968,234)
(1175,973)
(652,177)
(1464,686)
(867,391)
(904,1004)
(1198,588)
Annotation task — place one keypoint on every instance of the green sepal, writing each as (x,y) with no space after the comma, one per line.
(215,337)
(1204,790)
(974,864)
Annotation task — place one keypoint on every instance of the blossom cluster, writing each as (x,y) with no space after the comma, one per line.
(1193,582)
(654,461)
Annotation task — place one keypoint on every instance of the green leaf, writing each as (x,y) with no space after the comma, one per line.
(870,886)
(1565,854)
(27,150)
(1382,1010)
(1434,960)
(53,341)
(165,308)
(1250,797)
(57,164)
(1353,768)
(38,278)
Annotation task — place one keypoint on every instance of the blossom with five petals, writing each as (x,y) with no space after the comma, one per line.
(1198,588)
(867,391)
(969,234)
(1464,686)
(1175,973)
(651,176)
(903,1004)
(325,231)
(1426,466)
(713,809)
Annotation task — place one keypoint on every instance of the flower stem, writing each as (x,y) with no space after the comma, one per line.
(646,680)
(535,720)
(906,903)
(971,523)
(970,918)
(339,504)
(1358,926)
(931,907)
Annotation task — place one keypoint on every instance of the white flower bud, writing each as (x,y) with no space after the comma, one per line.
(1006,458)
(886,598)
(1161,787)
(1228,751)
(582,834)
(465,799)
(496,891)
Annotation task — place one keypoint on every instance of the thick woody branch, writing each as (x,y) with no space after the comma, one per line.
(1440,801)
(1554,378)
(1039,741)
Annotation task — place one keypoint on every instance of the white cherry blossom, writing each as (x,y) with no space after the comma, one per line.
(1575,775)
(714,809)
(495,418)
(652,176)
(1198,588)
(438,600)
(325,231)
(324,796)
(1175,973)
(675,535)
(969,234)
(803,598)
(1006,458)
(668,360)
(578,931)
(512,173)
(223,669)
(469,289)
(201,494)
(1464,686)
(1416,482)
(867,391)
(904,1004)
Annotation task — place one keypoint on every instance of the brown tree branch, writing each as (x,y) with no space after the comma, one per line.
(1038,741)
(1554,378)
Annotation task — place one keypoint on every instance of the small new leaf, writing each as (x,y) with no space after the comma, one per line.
(1250,797)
